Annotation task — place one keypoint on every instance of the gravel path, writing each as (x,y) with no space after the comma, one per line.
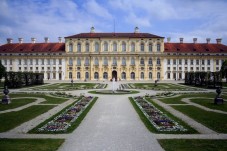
(111,125)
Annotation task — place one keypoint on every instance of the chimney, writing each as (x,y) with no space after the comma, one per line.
(168,39)
(208,40)
(92,29)
(60,39)
(136,30)
(20,40)
(33,40)
(218,40)
(46,40)
(195,40)
(9,40)
(181,40)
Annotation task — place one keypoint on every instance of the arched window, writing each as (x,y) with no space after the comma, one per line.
(150,47)
(158,75)
(105,75)
(114,61)
(96,75)
(158,61)
(114,46)
(70,47)
(123,61)
(132,75)
(78,47)
(78,75)
(86,62)
(87,75)
(105,61)
(105,46)
(70,61)
(132,47)
(150,61)
(150,75)
(158,47)
(96,61)
(141,75)
(78,62)
(87,47)
(70,75)
(142,61)
(132,61)
(123,47)
(96,47)
(142,47)
(123,75)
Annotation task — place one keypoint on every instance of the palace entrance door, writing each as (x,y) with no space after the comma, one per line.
(114,75)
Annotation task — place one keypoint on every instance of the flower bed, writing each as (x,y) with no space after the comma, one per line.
(63,121)
(157,118)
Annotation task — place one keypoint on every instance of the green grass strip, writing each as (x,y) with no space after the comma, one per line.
(193,144)
(30,144)
(215,121)
(16,103)
(13,119)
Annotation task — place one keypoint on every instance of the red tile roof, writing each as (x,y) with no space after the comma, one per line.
(114,35)
(198,47)
(32,47)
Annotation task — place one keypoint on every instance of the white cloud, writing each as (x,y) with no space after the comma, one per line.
(137,21)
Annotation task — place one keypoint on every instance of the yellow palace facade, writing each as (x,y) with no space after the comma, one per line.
(103,56)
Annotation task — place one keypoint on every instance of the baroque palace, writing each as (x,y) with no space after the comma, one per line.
(103,56)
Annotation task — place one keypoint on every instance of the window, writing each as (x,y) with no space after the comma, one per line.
(87,47)
(158,75)
(158,62)
(114,61)
(192,69)
(150,61)
(5,62)
(78,62)
(105,61)
(19,68)
(191,61)
(197,68)
(142,47)
(174,68)
(123,61)
(168,68)
(132,75)
(105,46)
(203,68)
(150,75)
(78,47)
(48,61)
(105,75)
(31,62)
(217,68)
(202,62)
(174,61)
(158,47)
(37,68)
(25,62)
(123,46)
(150,47)
(70,47)
(19,61)
(217,62)
(86,62)
(168,75)
(142,61)
(168,61)
(59,61)
(208,68)
(114,46)
(70,75)
(132,47)
(180,61)
(141,75)
(186,68)
(208,62)
(54,61)
(86,75)
(186,62)
(96,47)
(96,61)
(70,61)
(96,75)
(197,62)
(78,75)
(123,75)
(132,61)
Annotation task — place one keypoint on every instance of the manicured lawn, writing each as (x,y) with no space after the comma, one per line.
(193,144)
(209,103)
(16,103)
(13,119)
(30,144)
(106,92)
(215,121)
(173,100)
(151,128)
(49,99)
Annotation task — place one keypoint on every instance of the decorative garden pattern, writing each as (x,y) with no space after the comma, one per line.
(157,118)
(63,121)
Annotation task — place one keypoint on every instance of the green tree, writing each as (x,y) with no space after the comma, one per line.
(2,70)
(224,69)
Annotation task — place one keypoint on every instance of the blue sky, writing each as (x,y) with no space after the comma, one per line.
(168,18)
